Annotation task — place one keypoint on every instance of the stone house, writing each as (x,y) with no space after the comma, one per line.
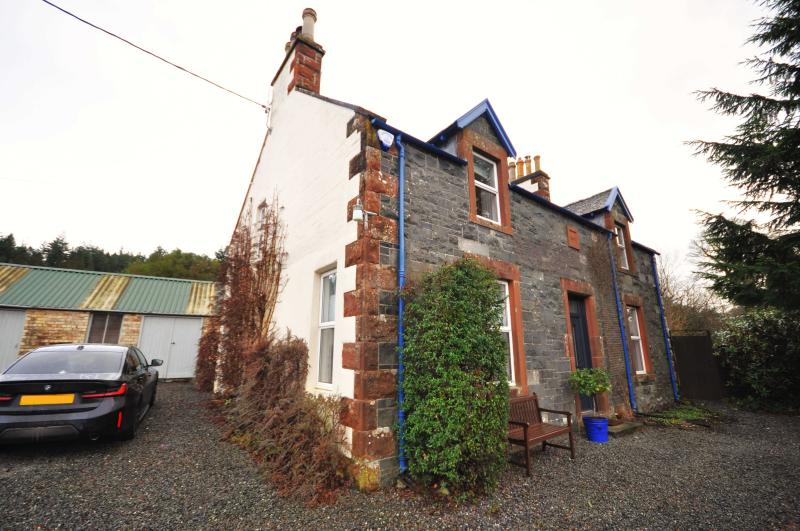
(581,292)
(46,305)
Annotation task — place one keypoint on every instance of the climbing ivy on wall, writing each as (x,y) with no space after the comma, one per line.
(455,384)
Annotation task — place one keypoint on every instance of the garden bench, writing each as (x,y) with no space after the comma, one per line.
(525,427)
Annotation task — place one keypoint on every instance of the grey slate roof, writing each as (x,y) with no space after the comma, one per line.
(602,201)
(590,204)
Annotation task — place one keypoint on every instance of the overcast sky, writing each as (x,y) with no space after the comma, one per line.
(105,145)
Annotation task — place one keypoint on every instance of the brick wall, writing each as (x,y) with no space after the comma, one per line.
(48,327)
(131,327)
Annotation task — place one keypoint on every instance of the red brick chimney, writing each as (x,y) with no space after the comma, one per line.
(304,56)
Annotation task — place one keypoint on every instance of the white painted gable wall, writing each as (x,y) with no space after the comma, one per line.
(306,161)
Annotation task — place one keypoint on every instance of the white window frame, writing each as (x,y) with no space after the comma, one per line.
(495,190)
(636,340)
(506,286)
(325,325)
(622,244)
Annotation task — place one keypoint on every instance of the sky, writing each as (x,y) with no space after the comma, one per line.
(105,145)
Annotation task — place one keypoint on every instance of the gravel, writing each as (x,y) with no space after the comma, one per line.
(178,474)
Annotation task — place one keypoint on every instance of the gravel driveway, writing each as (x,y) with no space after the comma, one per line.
(178,474)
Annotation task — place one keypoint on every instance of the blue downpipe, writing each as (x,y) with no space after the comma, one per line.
(664,329)
(623,334)
(401,306)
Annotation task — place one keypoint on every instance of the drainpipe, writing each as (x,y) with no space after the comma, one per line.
(621,319)
(664,329)
(401,306)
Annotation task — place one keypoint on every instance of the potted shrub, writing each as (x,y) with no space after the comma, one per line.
(590,382)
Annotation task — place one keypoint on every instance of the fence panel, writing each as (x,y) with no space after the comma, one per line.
(698,369)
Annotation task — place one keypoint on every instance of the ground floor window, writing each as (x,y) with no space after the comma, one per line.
(636,341)
(505,328)
(327,318)
(105,328)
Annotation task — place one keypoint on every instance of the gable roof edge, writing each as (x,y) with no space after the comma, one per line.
(484,107)
(612,198)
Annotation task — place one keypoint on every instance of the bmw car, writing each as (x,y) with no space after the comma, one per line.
(73,391)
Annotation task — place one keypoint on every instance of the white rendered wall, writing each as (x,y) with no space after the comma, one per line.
(305,161)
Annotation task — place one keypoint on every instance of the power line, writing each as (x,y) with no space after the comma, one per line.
(126,41)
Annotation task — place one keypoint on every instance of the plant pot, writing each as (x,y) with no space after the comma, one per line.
(596,429)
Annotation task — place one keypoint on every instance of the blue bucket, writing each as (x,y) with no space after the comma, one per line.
(596,429)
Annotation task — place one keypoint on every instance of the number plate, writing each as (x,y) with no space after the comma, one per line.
(46,400)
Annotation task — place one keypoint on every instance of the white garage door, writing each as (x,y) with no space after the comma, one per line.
(11,324)
(174,340)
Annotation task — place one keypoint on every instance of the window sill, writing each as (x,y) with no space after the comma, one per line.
(506,229)
(645,378)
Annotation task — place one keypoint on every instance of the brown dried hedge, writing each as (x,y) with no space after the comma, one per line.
(207,355)
(295,438)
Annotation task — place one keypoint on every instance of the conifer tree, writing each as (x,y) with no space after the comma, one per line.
(756,262)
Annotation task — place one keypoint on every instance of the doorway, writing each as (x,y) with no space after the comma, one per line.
(580,341)
(174,340)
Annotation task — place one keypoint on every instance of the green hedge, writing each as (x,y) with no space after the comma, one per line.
(760,354)
(456,386)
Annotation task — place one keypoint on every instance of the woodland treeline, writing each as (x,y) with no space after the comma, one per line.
(159,263)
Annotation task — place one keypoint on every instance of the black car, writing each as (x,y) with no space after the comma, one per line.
(72,391)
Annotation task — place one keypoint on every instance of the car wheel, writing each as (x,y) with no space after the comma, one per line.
(153,397)
(128,432)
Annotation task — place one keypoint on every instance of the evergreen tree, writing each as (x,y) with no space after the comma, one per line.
(12,253)
(756,262)
(56,252)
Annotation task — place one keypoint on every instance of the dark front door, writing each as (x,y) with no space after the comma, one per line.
(580,341)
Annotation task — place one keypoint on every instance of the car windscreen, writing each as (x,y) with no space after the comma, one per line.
(67,362)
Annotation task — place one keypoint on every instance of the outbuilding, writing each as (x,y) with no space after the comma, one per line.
(164,317)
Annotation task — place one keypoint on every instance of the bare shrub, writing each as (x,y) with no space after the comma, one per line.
(295,438)
(207,356)
(688,303)
(249,283)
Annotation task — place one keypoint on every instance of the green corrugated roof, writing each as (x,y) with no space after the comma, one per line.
(44,288)
(170,296)
(68,289)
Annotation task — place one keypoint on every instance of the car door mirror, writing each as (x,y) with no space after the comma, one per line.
(156,363)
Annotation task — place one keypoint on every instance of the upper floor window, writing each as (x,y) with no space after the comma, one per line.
(622,245)
(505,329)
(327,318)
(487,198)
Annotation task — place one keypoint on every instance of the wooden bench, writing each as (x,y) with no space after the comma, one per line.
(525,427)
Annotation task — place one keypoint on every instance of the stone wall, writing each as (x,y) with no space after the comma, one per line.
(438,230)
(549,254)
(48,327)
(655,388)
(371,412)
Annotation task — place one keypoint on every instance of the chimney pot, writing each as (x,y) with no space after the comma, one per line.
(528,165)
(520,167)
(512,171)
(537,162)
(309,18)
